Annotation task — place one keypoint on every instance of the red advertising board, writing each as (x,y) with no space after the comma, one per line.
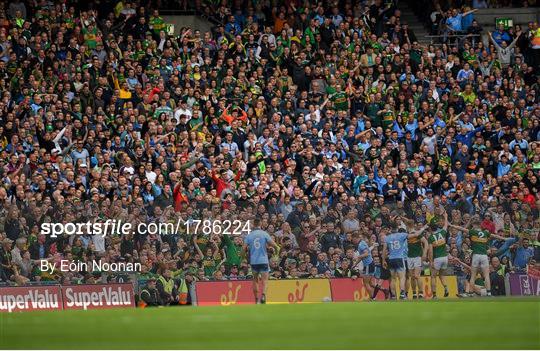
(30,298)
(84,297)
(346,289)
(533,271)
(224,293)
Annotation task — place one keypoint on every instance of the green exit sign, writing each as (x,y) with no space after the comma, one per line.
(506,22)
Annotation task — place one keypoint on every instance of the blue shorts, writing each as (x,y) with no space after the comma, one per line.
(369,269)
(396,264)
(260,268)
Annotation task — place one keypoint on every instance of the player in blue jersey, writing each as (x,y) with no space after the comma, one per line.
(256,243)
(364,255)
(395,254)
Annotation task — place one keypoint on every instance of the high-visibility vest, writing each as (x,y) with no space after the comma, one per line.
(502,270)
(183,292)
(535,40)
(168,286)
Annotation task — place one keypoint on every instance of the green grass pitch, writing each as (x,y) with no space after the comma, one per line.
(470,324)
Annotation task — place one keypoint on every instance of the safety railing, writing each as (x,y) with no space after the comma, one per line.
(192,12)
(451,39)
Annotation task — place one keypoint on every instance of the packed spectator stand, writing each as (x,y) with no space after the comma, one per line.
(327,120)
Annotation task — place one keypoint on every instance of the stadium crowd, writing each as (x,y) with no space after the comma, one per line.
(326,120)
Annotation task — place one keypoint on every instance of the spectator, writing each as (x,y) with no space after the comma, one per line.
(504,50)
(497,275)
(524,252)
(501,35)
(455,20)
(149,295)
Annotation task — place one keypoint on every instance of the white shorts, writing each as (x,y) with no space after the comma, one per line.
(480,261)
(414,262)
(440,263)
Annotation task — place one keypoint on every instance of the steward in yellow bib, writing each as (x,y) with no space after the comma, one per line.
(166,287)
(174,290)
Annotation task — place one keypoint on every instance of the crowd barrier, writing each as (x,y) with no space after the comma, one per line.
(240,292)
(30,298)
(66,297)
(226,293)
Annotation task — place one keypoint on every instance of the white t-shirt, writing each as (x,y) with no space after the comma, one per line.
(99,243)
(314,116)
(430,142)
(151,176)
(181,111)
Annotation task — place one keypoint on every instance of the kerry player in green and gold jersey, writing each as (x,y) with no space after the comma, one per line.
(438,256)
(416,254)
(479,245)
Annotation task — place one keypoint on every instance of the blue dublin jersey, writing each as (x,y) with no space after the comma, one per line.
(363,248)
(256,241)
(397,245)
